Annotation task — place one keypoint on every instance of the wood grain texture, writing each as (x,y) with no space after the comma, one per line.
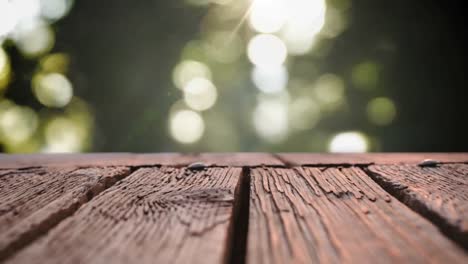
(34,200)
(439,193)
(299,159)
(132,159)
(165,215)
(94,159)
(240,159)
(337,215)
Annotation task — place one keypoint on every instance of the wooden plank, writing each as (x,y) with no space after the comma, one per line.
(34,200)
(439,193)
(240,159)
(300,159)
(153,216)
(318,215)
(94,159)
(130,159)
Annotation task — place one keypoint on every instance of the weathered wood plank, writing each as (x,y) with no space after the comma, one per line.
(299,159)
(34,200)
(93,159)
(130,159)
(439,193)
(153,216)
(240,159)
(317,215)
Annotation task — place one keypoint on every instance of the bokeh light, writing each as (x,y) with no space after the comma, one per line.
(305,20)
(63,135)
(223,46)
(266,75)
(349,142)
(7,18)
(17,123)
(186,126)
(52,89)
(365,75)
(55,62)
(34,38)
(329,90)
(268,16)
(270,79)
(55,9)
(188,70)
(381,111)
(304,113)
(5,70)
(270,120)
(200,94)
(266,50)
(335,22)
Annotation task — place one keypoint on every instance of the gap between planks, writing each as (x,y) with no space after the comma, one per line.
(236,247)
(231,247)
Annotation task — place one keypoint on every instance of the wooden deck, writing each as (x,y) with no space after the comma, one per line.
(234,208)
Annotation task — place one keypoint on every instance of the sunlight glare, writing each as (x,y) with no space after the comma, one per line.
(306,19)
(268,16)
(265,50)
(8,18)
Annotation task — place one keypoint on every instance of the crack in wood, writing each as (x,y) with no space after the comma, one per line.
(236,247)
(336,215)
(326,186)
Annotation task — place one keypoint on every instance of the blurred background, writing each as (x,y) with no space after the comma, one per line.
(232,75)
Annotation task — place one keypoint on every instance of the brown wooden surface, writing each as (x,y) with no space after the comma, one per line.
(440,193)
(236,208)
(34,200)
(130,159)
(153,216)
(95,159)
(309,215)
(299,159)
